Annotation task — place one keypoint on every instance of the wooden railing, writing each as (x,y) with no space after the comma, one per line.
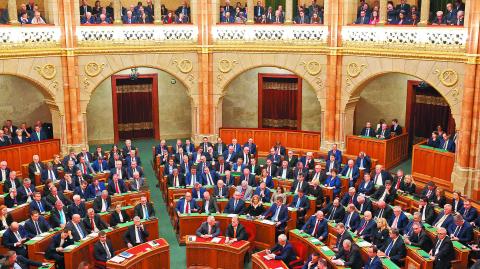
(16,155)
(266,138)
(388,152)
(430,164)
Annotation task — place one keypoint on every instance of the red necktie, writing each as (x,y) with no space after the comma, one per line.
(84,169)
(117,189)
(187,207)
(398,183)
(93,224)
(363,227)
(315,228)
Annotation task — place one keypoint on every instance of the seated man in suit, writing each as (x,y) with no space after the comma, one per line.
(144,209)
(367,227)
(308,161)
(363,204)
(316,226)
(116,186)
(363,162)
(137,183)
(209,178)
(93,223)
(383,211)
(76,226)
(251,146)
(291,159)
(443,252)
(186,205)
(55,249)
(461,230)
(12,199)
(55,195)
(136,233)
(19,138)
(119,215)
(299,184)
(249,177)
(396,128)
(102,203)
(132,157)
(134,168)
(38,134)
(245,190)
(270,167)
(4,171)
(395,247)
(100,165)
(229,155)
(332,164)
(198,191)
(176,179)
(95,189)
(350,197)
(219,147)
(263,192)
(417,218)
(245,155)
(335,152)
(274,157)
(362,19)
(120,171)
(398,219)
(209,228)
(220,190)
(209,204)
(447,143)
(334,211)
(302,204)
(383,132)
(103,249)
(221,166)
(235,205)
(12,183)
(282,251)
(445,218)
(78,206)
(59,215)
(235,231)
(385,193)
(351,172)
(35,167)
(368,130)
(278,213)
(38,204)
(373,262)
(284,171)
(418,238)
(352,218)
(86,168)
(468,212)
(348,256)
(14,238)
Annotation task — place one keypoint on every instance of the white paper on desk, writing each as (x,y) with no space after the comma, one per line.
(325,248)
(279,268)
(70,247)
(269,222)
(192,238)
(363,244)
(232,215)
(266,257)
(44,234)
(314,240)
(216,240)
(117,259)
(93,235)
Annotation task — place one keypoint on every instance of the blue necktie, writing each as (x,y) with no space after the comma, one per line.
(40,207)
(146,212)
(298,203)
(389,248)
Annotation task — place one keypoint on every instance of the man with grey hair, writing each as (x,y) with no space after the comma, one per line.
(78,230)
(209,228)
(442,252)
(235,205)
(235,231)
(282,251)
(348,256)
(136,233)
(245,190)
(461,230)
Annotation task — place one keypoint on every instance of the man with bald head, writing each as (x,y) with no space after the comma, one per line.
(76,226)
(316,226)
(14,238)
(442,252)
(93,223)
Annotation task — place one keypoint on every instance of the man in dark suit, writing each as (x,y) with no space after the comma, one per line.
(282,251)
(136,233)
(445,218)
(186,205)
(367,227)
(398,219)
(184,8)
(335,152)
(366,187)
(419,238)
(177,180)
(442,252)
(352,218)
(235,231)
(383,132)
(4,140)
(363,162)
(188,147)
(447,143)
(205,144)
(373,261)
(220,190)
(291,159)
(351,172)
(348,256)
(12,183)
(350,197)
(332,164)
(14,239)
(209,204)
(221,166)
(12,260)
(120,171)
(284,172)
(258,10)
(299,184)
(278,213)
(19,138)
(35,167)
(102,203)
(116,186)
(235,205)
(426,210)
(429,191)
(334,211)
(362,19)
(395,127)
(274,157)
(55,196)
(57,245)
(342,235)
(84,8)
(229,155)
(209,178)
(417,218)
(78,206)
(82,191)
(247,176)
(4,171)
(38,204)
(383,211)
(363,204)
(103,249)
(76,226)
(95,189)
(395,247)
(219,147)
(38,135)
(209,228)
(100,165)
(368,130)
(316,226)
(302,204)
(144,209)
(271,168)
(461,230)
(251,146)
(93,223)
(302,18)
(385,193)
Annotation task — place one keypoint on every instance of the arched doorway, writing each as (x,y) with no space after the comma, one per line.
(241,101)
(172,102)
(35,104)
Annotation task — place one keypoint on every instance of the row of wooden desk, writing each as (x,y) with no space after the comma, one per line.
(203,252)
(146,256)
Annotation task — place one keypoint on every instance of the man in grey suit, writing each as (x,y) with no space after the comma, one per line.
(137,182)
(245,190)
(209,228)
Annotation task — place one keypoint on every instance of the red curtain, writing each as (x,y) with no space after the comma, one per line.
(431,110)
(279,103)
(134,104)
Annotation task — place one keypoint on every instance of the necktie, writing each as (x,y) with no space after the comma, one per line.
(80,231)
(101,166)
(210,182)
(187,207)
(465,213)
(38,134)
(139,232)
(368,132)
(457,230)
(437,246)
(175,181)
(298,202)
(117,188)
(348,220)
(395,221)
(234,205)
(93,225)
(333,213)
(389,248)
(380,214)
(315,228)
(145,212)
(37,227)
(206,206)
(363,227)
(220,193)
(40,207)
(275,217)
(446,144)
(209,229)
(234,232)
(109,255)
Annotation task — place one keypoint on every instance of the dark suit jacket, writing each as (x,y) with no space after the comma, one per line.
(50,199)
(7,185)
(371,132)
(138,211)
(129,236)
(101,225)
(421,240)
(9,239)
(340,238)
(397,252)
(54,244)
(304,203)
(429,214)
(111,187)
(203,229)
(80,209)
(444,255)
(212,206)
(386,134)
(351,258)
(354,220)
(75,233)
(464,233)
(448,221)
(16,140)
(34,136)
(282,216)
(303,186)
(181,180)
(388,197)
(337,215)
(450,145)
(115,219)
(368,189)
(251,180)
(286,253)
(401,223)
(369,230)
(322,229)
(241,233)
(12,202)
(181,205)
(97,203)
(376,263)
(289,172)
(7,174)
(230,207)
(387,212)
(32,231)
(216,192)
(34,206)
(100,253)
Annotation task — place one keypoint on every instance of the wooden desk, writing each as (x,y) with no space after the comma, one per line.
(146,256)
(417,258)
(389,152)
(20,213)
(203,252)
(84,249)
(38,245)
(264,233)
(258,262)
(430,164)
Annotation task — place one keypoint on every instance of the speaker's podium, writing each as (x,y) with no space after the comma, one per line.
(152,254)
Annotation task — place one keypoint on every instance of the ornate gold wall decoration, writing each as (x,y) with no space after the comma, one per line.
(447,77)
(184,65)
(93,69)
(454,93)
(86,83)
(191,78)
(47,71)
(226,65)
(219,79)
(53,86)
(354,69)
(312,67)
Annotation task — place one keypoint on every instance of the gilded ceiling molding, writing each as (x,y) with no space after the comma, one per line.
(47,71)
(93,69)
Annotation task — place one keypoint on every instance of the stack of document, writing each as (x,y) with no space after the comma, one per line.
(268,222)
(117,259)
(216,240)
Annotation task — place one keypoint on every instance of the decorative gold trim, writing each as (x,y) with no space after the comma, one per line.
(47,71)
(431,100)
(93,69)
(184,65)
(447,77)
(354,69)
(312,67)
(226,65)
(122,127)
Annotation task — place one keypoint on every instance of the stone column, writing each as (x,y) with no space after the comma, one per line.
(424,16)
(250,12)
(288,11)
(383,12)
(12,12)
(157,10)
(117,12)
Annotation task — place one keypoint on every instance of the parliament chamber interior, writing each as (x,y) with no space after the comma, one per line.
(282,134)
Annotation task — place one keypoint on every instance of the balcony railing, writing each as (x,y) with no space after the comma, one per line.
(138,35)
(406,38)
(30,37)
(301,34)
